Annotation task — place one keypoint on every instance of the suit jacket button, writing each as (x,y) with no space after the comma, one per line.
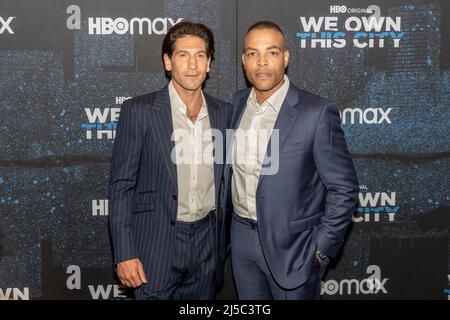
(172,222)
(174,197)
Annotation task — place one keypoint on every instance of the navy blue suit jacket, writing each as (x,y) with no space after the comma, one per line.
(307,205)
(143,189)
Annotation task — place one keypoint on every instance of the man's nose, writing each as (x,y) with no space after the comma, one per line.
(262,60)
(192,63)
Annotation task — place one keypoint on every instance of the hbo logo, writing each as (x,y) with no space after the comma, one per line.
(338,9)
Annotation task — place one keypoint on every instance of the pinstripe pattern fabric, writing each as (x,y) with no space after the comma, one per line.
(193,270)
(143,184)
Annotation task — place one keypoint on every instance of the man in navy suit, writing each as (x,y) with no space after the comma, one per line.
(292,187)
(165,221)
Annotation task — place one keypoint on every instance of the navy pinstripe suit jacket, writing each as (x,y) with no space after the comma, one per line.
(143,184)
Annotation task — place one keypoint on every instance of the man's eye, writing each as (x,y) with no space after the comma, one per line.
(251,54)
(274,53)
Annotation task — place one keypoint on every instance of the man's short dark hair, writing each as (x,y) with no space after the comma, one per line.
(265,24)
(188,28)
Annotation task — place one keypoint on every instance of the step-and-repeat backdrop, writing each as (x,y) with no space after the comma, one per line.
(66,67)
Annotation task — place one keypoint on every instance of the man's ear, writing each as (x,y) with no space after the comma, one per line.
(167,62)
(286,58)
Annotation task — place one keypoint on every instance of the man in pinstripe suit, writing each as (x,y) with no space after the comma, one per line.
(165,221)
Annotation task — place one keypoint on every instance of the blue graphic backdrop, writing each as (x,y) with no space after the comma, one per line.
(60,86)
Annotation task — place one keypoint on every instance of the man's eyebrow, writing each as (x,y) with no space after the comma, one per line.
(274,47)
(268,48)
(186,51)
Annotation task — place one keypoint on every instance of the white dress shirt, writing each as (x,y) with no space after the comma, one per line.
(194,160)
(250,146)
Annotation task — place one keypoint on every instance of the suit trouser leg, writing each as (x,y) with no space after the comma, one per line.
(194,264)
(247,262)
(179,269)
(199,282)
(253,277)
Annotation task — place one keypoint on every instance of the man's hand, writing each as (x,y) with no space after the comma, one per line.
(320,257)
(131,273)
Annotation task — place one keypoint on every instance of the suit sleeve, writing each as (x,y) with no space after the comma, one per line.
(123,176)
(335,168)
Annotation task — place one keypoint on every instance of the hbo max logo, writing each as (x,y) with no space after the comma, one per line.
(338,9)
(374,284)
(106,25)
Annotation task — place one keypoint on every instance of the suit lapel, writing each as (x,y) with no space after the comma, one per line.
(284,122)
(216,121)
(162,127)
(239,112)
(237,116)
